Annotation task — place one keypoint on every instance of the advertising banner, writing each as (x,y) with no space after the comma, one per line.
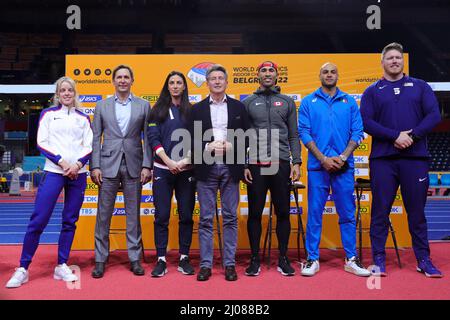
(298,76)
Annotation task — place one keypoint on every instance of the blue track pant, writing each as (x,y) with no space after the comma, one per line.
(46,198)
(342,184)
(386,176)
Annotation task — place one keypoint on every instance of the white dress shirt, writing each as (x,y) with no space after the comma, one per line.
(219,118)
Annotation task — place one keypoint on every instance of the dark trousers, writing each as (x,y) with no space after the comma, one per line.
(164,183)
(49,189)
(279,186)
(386,175)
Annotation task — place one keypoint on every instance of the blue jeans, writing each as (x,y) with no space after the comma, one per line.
(219,179)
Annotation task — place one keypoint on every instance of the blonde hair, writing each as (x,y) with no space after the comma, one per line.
(58,83)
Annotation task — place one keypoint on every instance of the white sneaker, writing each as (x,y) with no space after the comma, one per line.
(310,268)
(63,272)
(353,265)
(19,277)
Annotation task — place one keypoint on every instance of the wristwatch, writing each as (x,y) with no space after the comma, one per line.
(343,158)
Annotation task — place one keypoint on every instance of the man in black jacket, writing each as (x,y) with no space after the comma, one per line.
(219,160)
(274,118)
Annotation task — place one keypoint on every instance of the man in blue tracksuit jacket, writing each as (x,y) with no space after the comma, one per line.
(330,126)
(399,111)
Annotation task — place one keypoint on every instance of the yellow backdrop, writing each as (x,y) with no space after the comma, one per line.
(298,77)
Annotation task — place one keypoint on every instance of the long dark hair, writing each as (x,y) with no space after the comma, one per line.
(160,110)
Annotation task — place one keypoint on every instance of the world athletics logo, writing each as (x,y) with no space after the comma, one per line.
(197,74)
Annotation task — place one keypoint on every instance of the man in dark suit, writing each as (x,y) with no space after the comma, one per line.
(120,159)
(219,157)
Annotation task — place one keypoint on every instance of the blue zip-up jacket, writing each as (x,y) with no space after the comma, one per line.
(331,122)
(159,134)
(389,107)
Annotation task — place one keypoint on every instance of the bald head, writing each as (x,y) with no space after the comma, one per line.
(328,65)
(328,75)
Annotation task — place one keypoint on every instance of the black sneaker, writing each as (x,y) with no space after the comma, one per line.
(160,269)
(185,267)
(284,267)
(254,268)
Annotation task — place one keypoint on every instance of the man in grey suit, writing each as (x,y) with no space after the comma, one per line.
(120,159)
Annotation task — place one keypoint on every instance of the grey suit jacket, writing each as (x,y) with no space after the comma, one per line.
(107,153)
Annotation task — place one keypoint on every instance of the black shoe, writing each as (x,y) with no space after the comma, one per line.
(185,267)
(160,269)
(136,268)
(230,273)
(254,268)
(99,270)
(204,274)
(284,267)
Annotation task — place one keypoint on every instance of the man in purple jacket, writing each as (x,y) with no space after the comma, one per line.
(399,111)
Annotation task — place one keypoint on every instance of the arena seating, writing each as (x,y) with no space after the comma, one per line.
(445,179)
(111,43)
(207,43)
(434,179)
(439,147)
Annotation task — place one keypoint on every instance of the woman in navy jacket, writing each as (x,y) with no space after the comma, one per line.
(171,170)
